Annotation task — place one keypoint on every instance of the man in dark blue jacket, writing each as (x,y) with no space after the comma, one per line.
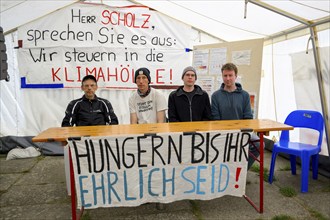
(89,109)
(189,102)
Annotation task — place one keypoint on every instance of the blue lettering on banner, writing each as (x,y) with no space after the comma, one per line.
(223,166)
(200,180)
(196,184)
(110,186)
(141,183)
(83,191)
(95,188)
(170,180)
(127,198)
(143,175)
(150,181)
(212,179)
(188,180)
(196,180)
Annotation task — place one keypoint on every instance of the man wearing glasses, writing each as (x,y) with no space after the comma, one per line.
(189,102)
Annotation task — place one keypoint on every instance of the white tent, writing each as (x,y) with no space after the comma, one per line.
(295,65)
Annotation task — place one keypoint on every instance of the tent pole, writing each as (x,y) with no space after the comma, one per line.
(279,11)
(320,83)
(313,33)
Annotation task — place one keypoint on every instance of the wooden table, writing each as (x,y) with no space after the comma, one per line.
(261,126)
(63,133)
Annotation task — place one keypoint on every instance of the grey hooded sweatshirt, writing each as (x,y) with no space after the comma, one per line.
(231,105)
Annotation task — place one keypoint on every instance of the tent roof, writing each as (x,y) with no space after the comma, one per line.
(219,18)
(225,19)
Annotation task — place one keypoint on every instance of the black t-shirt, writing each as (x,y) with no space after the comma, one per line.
(190,94)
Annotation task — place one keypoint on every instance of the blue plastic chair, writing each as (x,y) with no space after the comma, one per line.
(300,119)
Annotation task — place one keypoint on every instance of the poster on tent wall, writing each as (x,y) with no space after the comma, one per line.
(58,50)
(132,170)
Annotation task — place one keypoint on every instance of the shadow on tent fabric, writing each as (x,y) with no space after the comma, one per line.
(47,148)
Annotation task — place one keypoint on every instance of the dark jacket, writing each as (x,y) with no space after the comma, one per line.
(85,112)
(181,109)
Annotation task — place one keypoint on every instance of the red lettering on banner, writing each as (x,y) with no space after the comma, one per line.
(91,71)
(54,74)
(126,72)
(100,74)
(126,19)
(144,25)
(130,18)
(133,76)
(159,77)
(66,75)
(112,75)
(171,76)
(97,72)
(79,75)
(106,74)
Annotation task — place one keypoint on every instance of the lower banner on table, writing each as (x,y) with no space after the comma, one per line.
(135,169)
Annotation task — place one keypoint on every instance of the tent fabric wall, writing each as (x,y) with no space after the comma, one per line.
(278,85)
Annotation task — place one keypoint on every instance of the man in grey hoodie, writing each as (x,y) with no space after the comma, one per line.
(231,102)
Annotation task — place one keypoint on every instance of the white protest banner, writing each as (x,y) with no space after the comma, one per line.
(107,42)
(132,170)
